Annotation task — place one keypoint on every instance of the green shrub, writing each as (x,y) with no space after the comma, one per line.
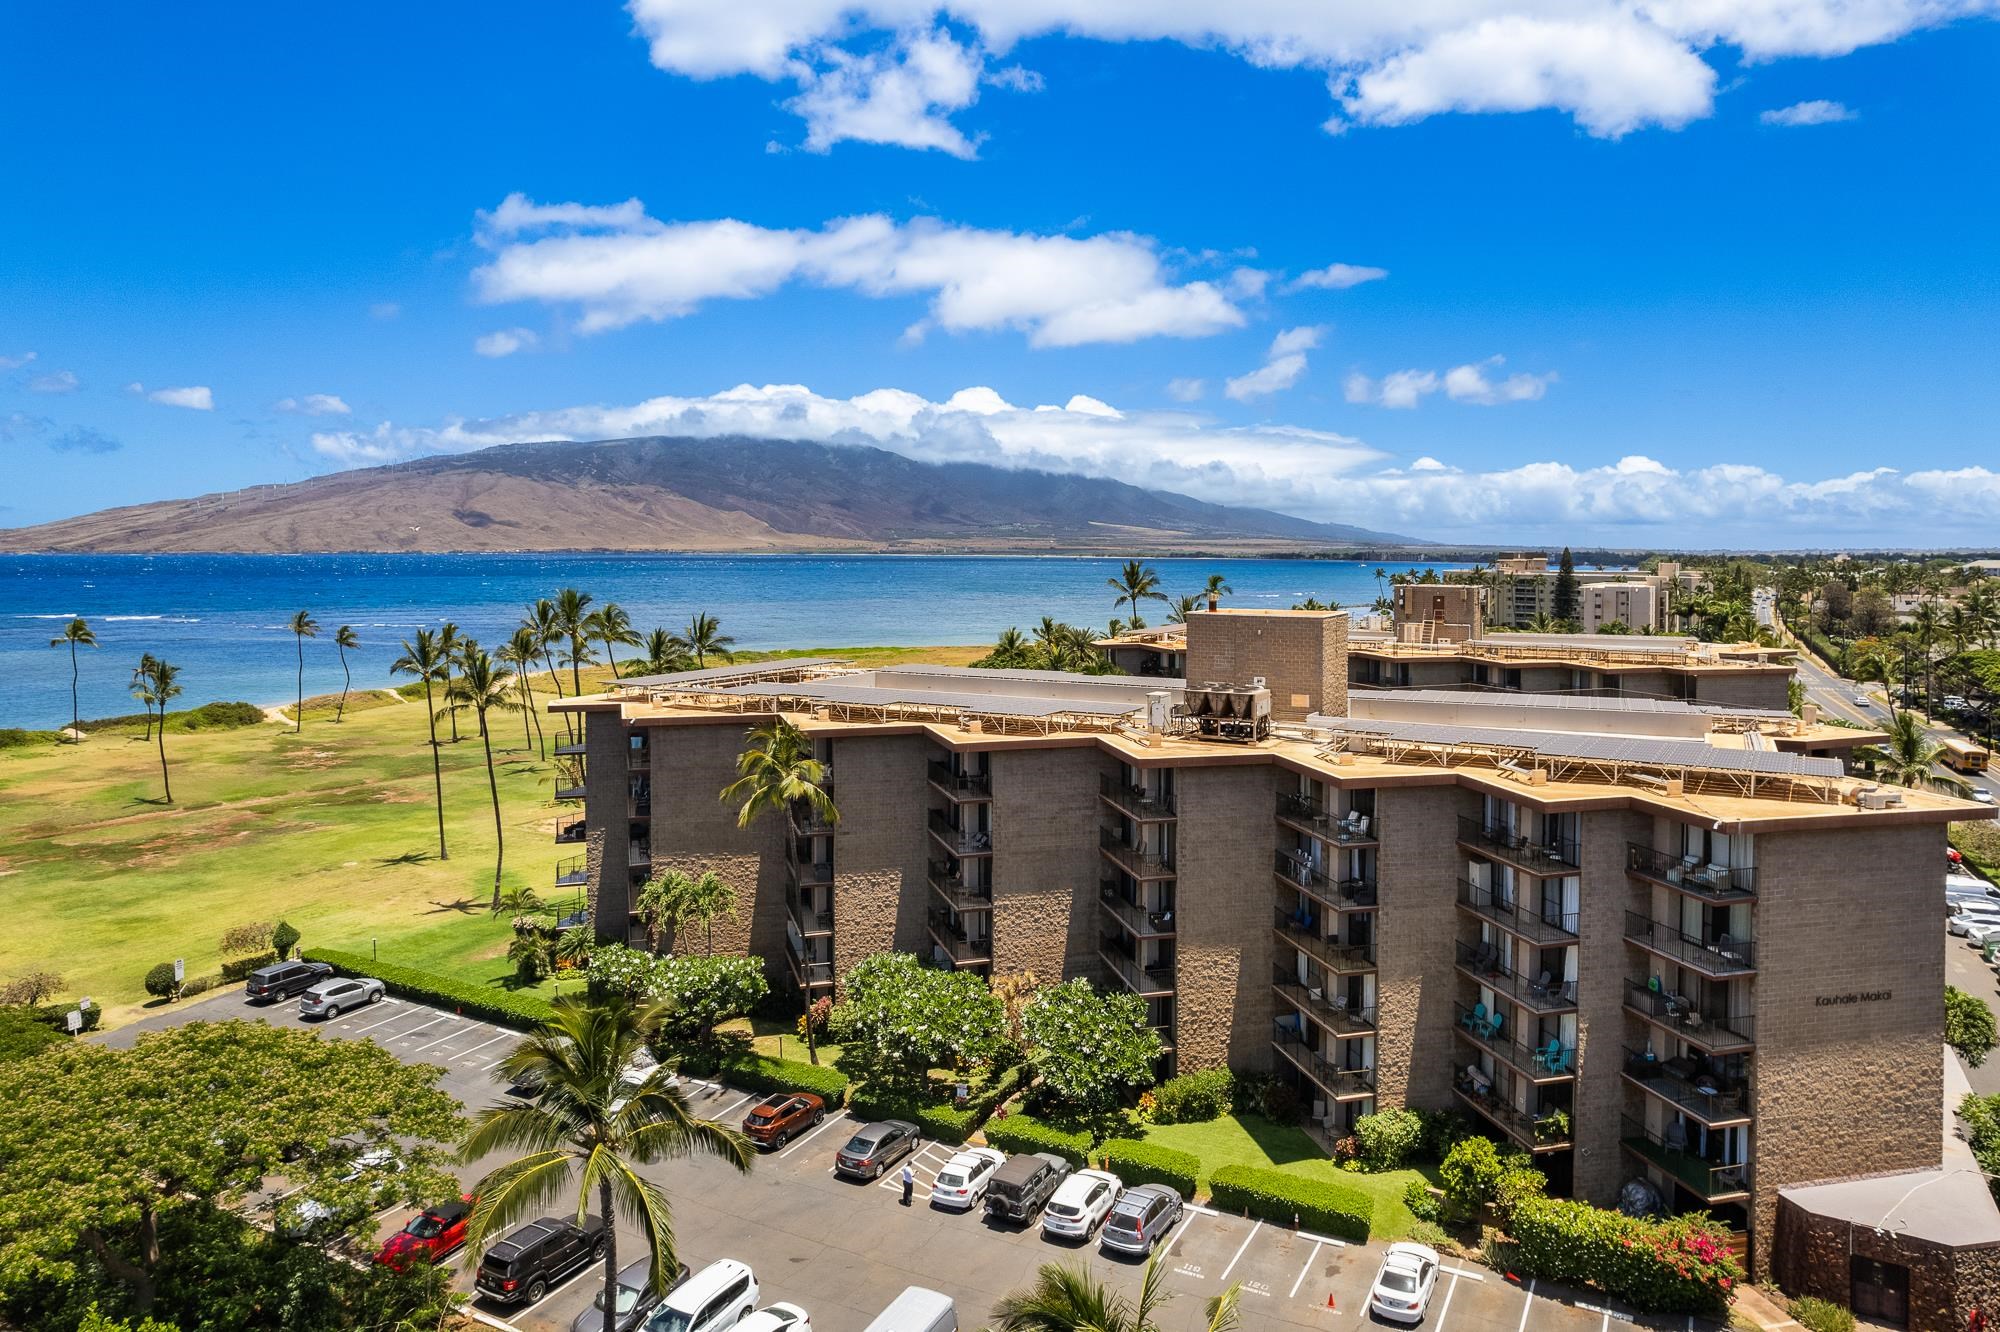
(217,717)
(1469,1174)
(1442,1131)
(1968,1025)
(1429,1232)
(501,1006)
(24,1034)
(1680,1266)
(1817,1315)
(239,968)
(284,938)
(1193,1098)
(1330,1207)
(1423,1204)
(937,1120)
(761,1073)
(1388,1138)
(160,981)
(1137,1162)
(13,737)
(1021,1133)
(195,985)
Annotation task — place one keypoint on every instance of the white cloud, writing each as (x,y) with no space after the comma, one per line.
(58,381)
(617,266)
(195,397)
(315,404)
(1282,368)
(1186,390)
(384,310)
(1633,500)
(1336,277)
(1464,383)
(505,341)
(16,362)
(1614,65)
(1819,112)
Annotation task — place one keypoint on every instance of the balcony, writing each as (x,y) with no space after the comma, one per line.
(572,749)
(1486,964)
(1152,982)
(569,833)
(962,950)
(638,806)
(1685,1084)
(1710,1182)
(1722,958)
(960,787)
(1135,862)
(807,821)
(1140,922)
(1514,915)
(573,873)
(806,972)
(1533,1133)
(1330,1011)
(1339,1084)
(1138,803)
(1684,874)
(638,855)
(960,842)
(810,871)
(954,889)
(1339,959)
(569,787)
(638,758)
(1333,894)
(1542,856)
(1537,1063)
(1316,820)
(811,923)
(1682,1017)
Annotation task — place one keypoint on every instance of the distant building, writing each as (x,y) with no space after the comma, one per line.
(1636,605)
(1524,588)
(1440,612)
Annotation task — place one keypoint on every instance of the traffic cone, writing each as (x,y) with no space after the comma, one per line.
(1329,1302)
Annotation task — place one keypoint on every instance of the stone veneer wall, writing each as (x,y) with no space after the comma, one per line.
(1223,1004)
(1416,875)
(693,831)
(608,837)
(1045,861)
(1845,1089)
(881,847)
(1811,1257)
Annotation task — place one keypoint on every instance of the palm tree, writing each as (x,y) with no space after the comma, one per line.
(672,900)
(77,633)
(163,683)
(448,644)
(343,639)
(423,660)
(1183,607)
(482,686)
(658,901)
(303,626)
(142,687)
(573,622)
(1215,588)
(1070,1299)
(517,654)
(1910,757)
(704,636)
(1379,575)
(1135,583)
(664,652)
(612,627)
(591,1129)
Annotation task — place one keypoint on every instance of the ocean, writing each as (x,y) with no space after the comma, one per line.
(222,618)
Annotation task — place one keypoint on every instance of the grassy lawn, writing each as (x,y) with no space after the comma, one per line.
(1255,1141)
(333,829)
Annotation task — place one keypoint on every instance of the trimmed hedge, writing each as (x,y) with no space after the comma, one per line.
(937,1121)
(1327,1206)
(501,1006)
(1137,1162)
(1194,1098)
(761,1073)
(1681,1265)
(243,966)
(1023,1133)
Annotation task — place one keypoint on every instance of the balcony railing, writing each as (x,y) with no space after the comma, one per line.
(810,922)
(960,841)
(1515,916)
(638,855)
(960,785)
(639,758)
(1355,829)
(1487,964)
(1716,1033)
(1711,1098)
(573,873)
(1135,862)
(954,889)
(1340,1084)
(963,950)
(1542,855)
(1141,922)
(1141,803)
(572,749)
(1334,894)
(1537,1133)
(1338,958)
(807,972)
(569,787)
(807,821)
(1331,1011)
(1546,1062)
(572,832)
(811,871)
(1152,981)
(1705,1179)
(1686,874)
(638,806)
(1721,957)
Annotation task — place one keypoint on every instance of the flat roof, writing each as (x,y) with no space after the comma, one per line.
(753,670)
(1639,751)
(1948,1207)
(1577,702)
(1138,684)
(1007,705)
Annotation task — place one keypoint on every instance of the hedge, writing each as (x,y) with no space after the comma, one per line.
(1681,1265)
(761,1073)
(1326,1206)
(1194,1098)
(941,1122)
(480,1001)
(243,966)
(1137,1162)
(1023,1133)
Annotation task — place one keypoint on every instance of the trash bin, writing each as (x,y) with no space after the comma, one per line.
(1986,949)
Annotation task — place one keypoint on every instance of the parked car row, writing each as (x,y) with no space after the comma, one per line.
(320,993)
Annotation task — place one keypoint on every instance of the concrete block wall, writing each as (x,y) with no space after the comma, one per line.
(693,831)
(1222,984)
(1302,656)
(1046,866)
(881,849)
(608,831)
(1746,689)
(1416,880)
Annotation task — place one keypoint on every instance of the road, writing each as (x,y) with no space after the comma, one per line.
(1835,696)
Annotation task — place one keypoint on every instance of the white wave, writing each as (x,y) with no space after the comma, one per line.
(119,619)
(45,617)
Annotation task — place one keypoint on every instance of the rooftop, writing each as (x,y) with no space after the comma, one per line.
(1627,650)
(1950,1207)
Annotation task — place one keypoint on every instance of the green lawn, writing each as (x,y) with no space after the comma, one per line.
(1255,1141)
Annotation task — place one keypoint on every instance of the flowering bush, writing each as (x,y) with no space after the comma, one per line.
(1681,1265)
(1089,1047)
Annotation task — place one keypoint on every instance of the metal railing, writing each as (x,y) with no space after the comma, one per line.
(1537,1063)
(573,873)
(1724,956)
(1511,914)
(1711,1099)
(1157,979)
(639,758)
(1537,855)
(572,832)
(572,749)
(806,971)
(1317,819)
(960,785)
(1709,882)
(955,941)
(1331,1011)
(638,855)
(1486,964)
(1355,894)
(1336,957)
(962,841)
(572,791)
(807,821)
(1140,802)
(808,920)
(1338,1082)
(954,889)
(1139,864)
(1701,1177)
(1718,1033)
(1538,1133)
(1147,924)
(811,871)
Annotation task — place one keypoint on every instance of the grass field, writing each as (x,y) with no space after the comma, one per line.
(333,829)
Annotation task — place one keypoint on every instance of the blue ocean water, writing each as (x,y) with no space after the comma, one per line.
(221,618)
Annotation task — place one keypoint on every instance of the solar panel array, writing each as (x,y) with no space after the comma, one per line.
(999,705)
(1602,642)
(1509,698)
(1137,683)
(728,674)
(1642,750)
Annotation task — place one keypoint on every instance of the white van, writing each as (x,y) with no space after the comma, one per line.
(714,1299)
(917,1310)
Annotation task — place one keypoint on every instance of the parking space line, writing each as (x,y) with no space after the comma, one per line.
(448,1036)
(1174,1239)
(472,1029)
(477,1048)
(1452,1290)
(723,1113)
(1310,1259)
(420,1028)
(1527,1308)
(1239,1251)
(830,1122)
(1465,1272)
(393,1017)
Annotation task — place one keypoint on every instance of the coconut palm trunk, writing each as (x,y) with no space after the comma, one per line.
(437,767)
(499,832)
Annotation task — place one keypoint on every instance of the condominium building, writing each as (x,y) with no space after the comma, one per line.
(1640,939)
(1523,588)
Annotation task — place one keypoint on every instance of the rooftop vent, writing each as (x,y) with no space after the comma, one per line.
(1234,713)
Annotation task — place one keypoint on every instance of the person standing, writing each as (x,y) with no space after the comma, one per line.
(909,1184)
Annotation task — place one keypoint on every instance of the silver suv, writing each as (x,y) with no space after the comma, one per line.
(330,997)
(1140,1219)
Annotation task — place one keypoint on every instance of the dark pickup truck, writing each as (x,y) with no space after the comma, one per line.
(521,1268)
(1018,1189)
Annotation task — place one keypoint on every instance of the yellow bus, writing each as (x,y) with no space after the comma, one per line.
(1963,755)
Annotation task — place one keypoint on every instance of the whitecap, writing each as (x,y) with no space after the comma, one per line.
(118,619)
(45,617)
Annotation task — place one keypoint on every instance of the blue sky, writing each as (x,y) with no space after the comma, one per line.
(1648,277)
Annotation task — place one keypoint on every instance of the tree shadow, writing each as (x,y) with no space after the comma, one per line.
(464,906)
(407,858)
(160,802)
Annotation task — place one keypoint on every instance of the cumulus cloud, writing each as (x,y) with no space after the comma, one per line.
(1336,277)
(617,266)
(1183,389)
(315,404)
(1818,112)
(57,381)
(1472,383)
(505,341)
(1282,368)
(82,439)
(195,397)
(898,71)
(16,362)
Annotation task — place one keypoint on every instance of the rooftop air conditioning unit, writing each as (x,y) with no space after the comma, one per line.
(1229,712)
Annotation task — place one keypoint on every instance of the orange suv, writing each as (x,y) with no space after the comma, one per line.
(776,1120)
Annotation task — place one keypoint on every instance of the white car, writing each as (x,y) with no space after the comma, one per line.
(1963,919)
(1980,931)
(1863,701)
(1982,795)
(961,1181)
(1080,1204)
(779,1317)
(1403,1287)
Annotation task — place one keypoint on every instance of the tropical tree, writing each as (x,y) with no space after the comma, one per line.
(303,626)
(449,643)
(424,660)
(592,1129)
(674,899)
(343,639)
(77,633)
(1183,606)
(1135,583)
(1566,595)
(1910,756)
(900,1019)
(1089,1048)
(611,626)
(517,654)
(1380,575)
(1070,1299)
(572,622)
(483,685)
(664,652)
(163,684)
(1216,586)
(141,688)
(704,638)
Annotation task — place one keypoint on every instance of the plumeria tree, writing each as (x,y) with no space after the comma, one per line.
(901,1019)
(701,993)
(1089,1048)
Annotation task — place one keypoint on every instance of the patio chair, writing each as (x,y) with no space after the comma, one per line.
(1563,1058)
(1546,1057)
(1475,1021)
(1540,988)
(1360,828)
(1339,1004)
(1675,1139)
(1494,1022)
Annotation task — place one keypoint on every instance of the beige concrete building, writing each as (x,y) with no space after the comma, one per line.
(1635,605)
(1522,587)
(1644,940)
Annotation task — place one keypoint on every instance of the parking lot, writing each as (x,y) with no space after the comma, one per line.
(842,1249)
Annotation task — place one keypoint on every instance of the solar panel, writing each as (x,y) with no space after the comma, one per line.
(1644,750)
(1602,642)
(1136,683)
(1007,705)
(1509,698)
(726,674)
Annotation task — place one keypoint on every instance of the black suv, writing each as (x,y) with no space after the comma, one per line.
(521,1268)
(285,979)
(1018,1189)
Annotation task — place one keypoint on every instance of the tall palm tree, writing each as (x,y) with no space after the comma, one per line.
(591,1129)
(1380,575)
(424,660)
(77,633)
(664,652)
(343,639)
(658,901)
(1183,607)
(673,900)
(142,687)
(1216,586)
(611,626)
(541,621)
(1910,756)
(1135,583)
(163,683)
(1071,1299)
(448,644)
(517,654)
(483,686)
(303,626)
(573,623)
(704,638)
